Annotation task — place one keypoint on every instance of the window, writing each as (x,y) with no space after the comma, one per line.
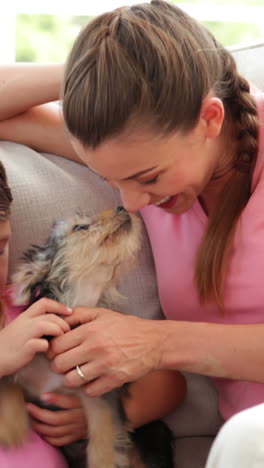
(33,31)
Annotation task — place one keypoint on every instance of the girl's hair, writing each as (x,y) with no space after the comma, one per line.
(152,65)
(5,195)
(5,202)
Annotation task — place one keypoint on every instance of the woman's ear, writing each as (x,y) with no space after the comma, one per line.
(212,116)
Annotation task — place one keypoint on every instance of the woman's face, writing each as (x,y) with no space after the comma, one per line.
(169,171)
(4,250)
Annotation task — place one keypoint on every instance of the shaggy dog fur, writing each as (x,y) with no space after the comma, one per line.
(80,265)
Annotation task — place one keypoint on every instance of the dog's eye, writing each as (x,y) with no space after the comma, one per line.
(81,227)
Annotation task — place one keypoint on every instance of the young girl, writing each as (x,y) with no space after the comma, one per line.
(21,338)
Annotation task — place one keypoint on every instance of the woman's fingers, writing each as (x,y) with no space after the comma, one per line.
(66,342)
(95,386)
(74,379)
(100,386)
(69,359)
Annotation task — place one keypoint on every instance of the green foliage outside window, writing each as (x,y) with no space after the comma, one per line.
(48,38)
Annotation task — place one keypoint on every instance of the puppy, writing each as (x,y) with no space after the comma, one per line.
(80,265)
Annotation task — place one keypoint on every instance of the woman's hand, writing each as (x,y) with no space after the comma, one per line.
(59,427)
(111,349)
(21,339)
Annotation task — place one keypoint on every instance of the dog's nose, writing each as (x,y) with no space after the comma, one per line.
(120,209)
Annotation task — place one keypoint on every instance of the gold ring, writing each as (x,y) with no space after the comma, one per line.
(81,374)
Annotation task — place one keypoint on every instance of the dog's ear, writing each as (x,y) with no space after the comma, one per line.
(36,264)
(27,278)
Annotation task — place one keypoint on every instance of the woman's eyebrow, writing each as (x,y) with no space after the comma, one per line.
(137,174)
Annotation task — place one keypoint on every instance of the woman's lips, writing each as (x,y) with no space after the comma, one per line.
(168,202)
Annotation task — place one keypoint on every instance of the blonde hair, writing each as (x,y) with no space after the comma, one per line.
(153,64)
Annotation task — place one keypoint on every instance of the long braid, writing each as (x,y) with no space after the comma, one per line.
(212,256)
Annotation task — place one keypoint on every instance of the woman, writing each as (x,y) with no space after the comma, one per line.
(155,105)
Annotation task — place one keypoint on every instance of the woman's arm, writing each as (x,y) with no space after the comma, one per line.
(124,348)
(217,350)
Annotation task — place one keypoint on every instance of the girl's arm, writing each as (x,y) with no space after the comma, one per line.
(23,118)
(23,86)
(42,129)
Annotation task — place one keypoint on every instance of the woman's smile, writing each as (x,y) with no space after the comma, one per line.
(167,172)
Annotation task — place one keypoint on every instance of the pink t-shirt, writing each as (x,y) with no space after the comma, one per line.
(35,451)
(175,239)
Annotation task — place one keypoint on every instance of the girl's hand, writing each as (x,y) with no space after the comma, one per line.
(59,427)
(111,349)
(21,339)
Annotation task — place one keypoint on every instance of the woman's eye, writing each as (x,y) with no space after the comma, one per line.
(150,181)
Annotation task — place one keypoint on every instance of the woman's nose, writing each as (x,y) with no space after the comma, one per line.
(134,201)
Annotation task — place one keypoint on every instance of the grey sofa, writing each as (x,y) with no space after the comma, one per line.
(46,187)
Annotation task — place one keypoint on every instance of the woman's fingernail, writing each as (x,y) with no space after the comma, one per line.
(69,309)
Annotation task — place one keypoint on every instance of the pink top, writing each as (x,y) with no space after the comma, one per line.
(175,239)
(35,451)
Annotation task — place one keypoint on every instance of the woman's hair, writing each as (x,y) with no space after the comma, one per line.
(5,195)
(151,65)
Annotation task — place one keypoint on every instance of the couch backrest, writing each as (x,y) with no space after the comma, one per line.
(250,61)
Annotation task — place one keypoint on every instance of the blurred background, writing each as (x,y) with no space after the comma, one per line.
(35,32)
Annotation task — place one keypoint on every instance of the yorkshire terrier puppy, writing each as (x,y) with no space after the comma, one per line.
(80,265)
